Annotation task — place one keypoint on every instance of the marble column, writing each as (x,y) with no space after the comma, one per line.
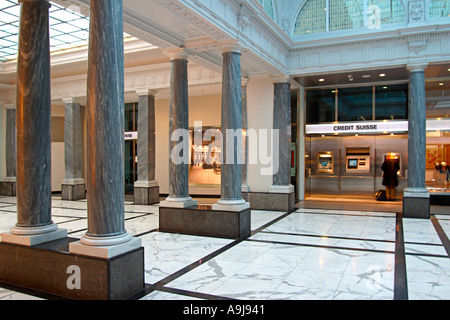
(72,187)
(146,189)
(282,123)
(245,187)
(231,123)
(416,199)
(33,163)
(178,132)
(106,235)
(8,185)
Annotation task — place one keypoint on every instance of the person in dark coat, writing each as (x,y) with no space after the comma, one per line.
(390,167)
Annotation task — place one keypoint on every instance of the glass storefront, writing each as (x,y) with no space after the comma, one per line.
(384,102)
(438,142)
(131,113)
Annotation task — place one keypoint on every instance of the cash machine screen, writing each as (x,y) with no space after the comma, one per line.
(352,163)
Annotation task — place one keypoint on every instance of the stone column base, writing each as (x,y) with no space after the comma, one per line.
(146,195)
(416,204)
(52,269)
(8,188)
(73,192)
(271,201)
(34,236)
(205,221)
(172,202)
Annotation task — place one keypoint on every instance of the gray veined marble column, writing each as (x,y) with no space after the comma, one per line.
(146,189)
(416,199)
(73,187)
(282,123)
(33,144)
(178,132)
(8,185)
(106,235)
(245,187)
(231,123)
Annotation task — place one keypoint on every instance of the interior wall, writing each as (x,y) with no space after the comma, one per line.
(2,143)
(201,108)
(260,116)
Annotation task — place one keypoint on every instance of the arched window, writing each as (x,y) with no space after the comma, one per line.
(268,7)
(330,15)
(439,9)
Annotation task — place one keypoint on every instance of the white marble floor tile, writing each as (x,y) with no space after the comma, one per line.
(161,295)
(445,224)
(420,230)
(428,277)
(260,217)
(6,294)
(370,286)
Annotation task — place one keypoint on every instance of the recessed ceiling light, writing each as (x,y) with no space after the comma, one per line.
(321,80)
(384,87)
(441,83)
(448,69)
(382,74)
(366,76)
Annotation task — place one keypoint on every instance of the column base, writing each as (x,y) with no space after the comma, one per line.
(231,205)
(146,192)
(204,221)
(281,189)
(105,247)
(50,268)
(271,201)
(416,203)
(34,236)
(73,191)
(8,187)
(172,202)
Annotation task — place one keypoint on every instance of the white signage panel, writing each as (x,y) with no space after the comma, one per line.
(368,127)
(130,135)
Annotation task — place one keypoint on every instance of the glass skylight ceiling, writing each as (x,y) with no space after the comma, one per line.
(68,29)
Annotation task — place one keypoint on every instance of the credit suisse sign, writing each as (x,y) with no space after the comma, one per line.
(368,127)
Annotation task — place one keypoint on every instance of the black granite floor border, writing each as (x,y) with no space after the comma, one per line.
(400,278)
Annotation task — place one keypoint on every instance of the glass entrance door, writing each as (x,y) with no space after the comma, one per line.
(130,147)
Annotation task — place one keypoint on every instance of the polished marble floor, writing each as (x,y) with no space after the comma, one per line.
(323,250)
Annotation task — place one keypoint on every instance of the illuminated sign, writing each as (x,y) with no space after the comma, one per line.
(372,127)
(130,135)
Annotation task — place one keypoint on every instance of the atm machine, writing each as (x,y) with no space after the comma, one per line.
(358,160)
(325,163)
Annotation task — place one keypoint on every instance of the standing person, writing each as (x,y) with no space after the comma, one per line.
(390,168)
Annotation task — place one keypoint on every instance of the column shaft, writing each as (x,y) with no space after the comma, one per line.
(231,179)
(72,187)
(146,190)
(146,138)
(416,199)
(105,120)
(10,148)
(282,123)
(72,141)
(416,131)
(179,119)
(33,117)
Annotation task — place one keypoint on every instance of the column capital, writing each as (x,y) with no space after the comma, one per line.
(231,46)
(70,99)
(281,78)
(8,105)
(417,67)
(46,2)
(176,53)
(146,92)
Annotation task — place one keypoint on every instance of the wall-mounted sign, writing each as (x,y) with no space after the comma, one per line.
(130,135)
(368,127)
